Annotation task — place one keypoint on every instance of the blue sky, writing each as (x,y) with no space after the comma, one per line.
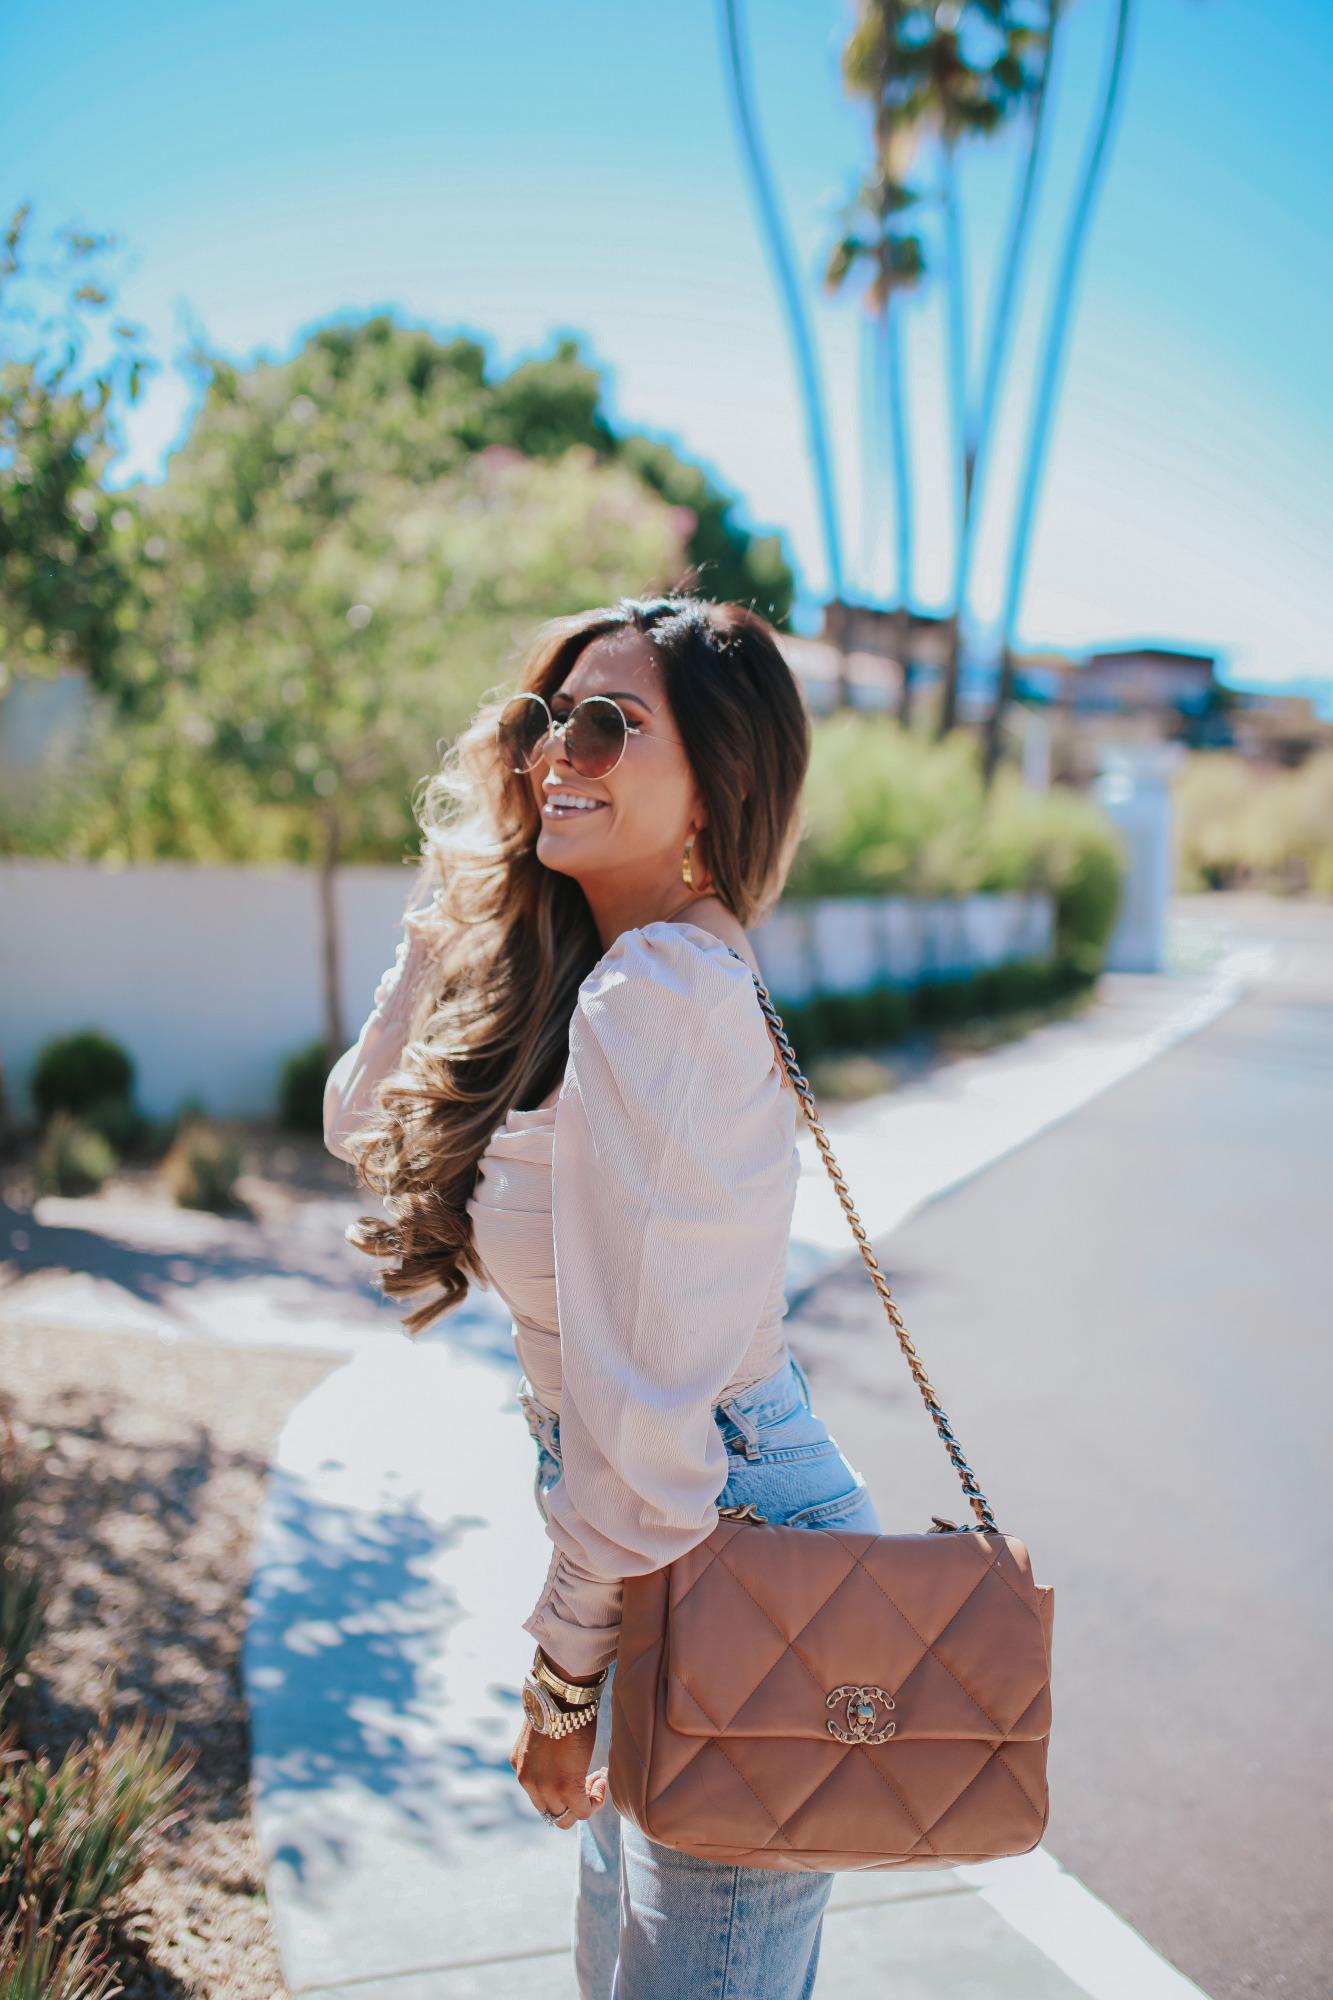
(524,169)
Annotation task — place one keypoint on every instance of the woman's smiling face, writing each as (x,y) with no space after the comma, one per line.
(624,834)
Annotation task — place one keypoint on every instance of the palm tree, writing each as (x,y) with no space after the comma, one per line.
(902,483)
(1001,326)
(1054,350)
(874,235)
(799,332)
(1039,42)
(959,98)
(920,69)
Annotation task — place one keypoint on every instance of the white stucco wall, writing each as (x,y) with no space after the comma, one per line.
(210,977)
(849,944)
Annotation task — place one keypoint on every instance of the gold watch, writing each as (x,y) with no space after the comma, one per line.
(548,1718)
(569,1691)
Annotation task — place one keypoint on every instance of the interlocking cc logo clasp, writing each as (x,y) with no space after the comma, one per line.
(867,1715)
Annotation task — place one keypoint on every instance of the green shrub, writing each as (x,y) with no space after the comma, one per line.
(889,1014)
(73,1158)
(201,1167)
(1063,843)
(41,1961)
(301,1094)
(1242,824)
(75,1837)
(889,813)
(877,1019)
(120,1123)
(76,1072)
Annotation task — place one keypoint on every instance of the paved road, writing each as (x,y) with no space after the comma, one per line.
(1129,1323)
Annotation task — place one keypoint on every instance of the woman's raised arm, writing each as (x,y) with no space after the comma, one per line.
(350,1091)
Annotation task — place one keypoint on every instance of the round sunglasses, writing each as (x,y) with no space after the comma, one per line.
(594,734)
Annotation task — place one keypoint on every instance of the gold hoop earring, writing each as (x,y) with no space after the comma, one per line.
(686,871)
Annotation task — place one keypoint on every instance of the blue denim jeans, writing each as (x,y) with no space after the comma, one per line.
(651,1924)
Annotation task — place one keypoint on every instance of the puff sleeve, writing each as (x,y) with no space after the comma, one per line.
(349,1094)
(671,1199)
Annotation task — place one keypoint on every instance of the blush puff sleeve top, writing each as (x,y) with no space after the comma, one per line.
(637,1228)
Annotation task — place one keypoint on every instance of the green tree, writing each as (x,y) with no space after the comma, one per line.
(343,557)
(66,368)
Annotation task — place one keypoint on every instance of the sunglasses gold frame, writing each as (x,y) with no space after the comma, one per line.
(560,730)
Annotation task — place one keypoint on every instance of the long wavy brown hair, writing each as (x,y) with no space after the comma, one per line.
(512,941)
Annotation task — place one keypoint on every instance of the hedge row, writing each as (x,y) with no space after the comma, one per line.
(888,1015)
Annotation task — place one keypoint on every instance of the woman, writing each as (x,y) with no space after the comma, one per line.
(567,1090)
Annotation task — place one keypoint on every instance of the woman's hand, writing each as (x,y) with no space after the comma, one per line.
(553,1771)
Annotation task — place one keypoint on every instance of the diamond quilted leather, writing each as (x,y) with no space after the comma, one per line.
(789,1698)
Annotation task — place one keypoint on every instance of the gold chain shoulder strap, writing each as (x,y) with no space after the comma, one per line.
(976,1498)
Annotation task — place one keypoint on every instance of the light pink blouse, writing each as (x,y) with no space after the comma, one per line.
(637,1230)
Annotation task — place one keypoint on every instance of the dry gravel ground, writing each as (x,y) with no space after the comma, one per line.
(144,1513)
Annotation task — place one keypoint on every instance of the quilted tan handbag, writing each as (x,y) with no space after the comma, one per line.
(808,1699)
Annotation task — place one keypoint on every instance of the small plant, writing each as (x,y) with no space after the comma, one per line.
(73,1158)
(74,1838)
(202,1166)
(301,1094)
(74,1073)
(41,1961)
(22,1616)
(22,1597)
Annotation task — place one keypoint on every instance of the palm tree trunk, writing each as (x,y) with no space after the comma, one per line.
(901,447)
(1051,372)
(957,298)
(782,263)
(330,939)
(904,642)
(997,343)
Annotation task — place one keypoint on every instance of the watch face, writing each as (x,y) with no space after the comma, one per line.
(535,1710)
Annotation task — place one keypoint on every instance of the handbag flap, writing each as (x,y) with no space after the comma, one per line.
(809,1633)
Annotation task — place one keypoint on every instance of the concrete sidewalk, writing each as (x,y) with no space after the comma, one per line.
(400,1552)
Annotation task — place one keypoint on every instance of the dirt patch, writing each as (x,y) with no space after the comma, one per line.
(152,1461)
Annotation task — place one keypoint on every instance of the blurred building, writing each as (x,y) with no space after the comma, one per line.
(1139,696)
(1281,729)
(1170,688)
(1069,713)
(868,658)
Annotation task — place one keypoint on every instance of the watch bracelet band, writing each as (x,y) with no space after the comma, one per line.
(569,1720)
(550,1718)
(578,1697)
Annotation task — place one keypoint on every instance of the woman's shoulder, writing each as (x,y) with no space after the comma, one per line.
(668,1022)
(663,964)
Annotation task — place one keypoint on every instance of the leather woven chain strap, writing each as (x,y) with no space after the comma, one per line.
(976,1498)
